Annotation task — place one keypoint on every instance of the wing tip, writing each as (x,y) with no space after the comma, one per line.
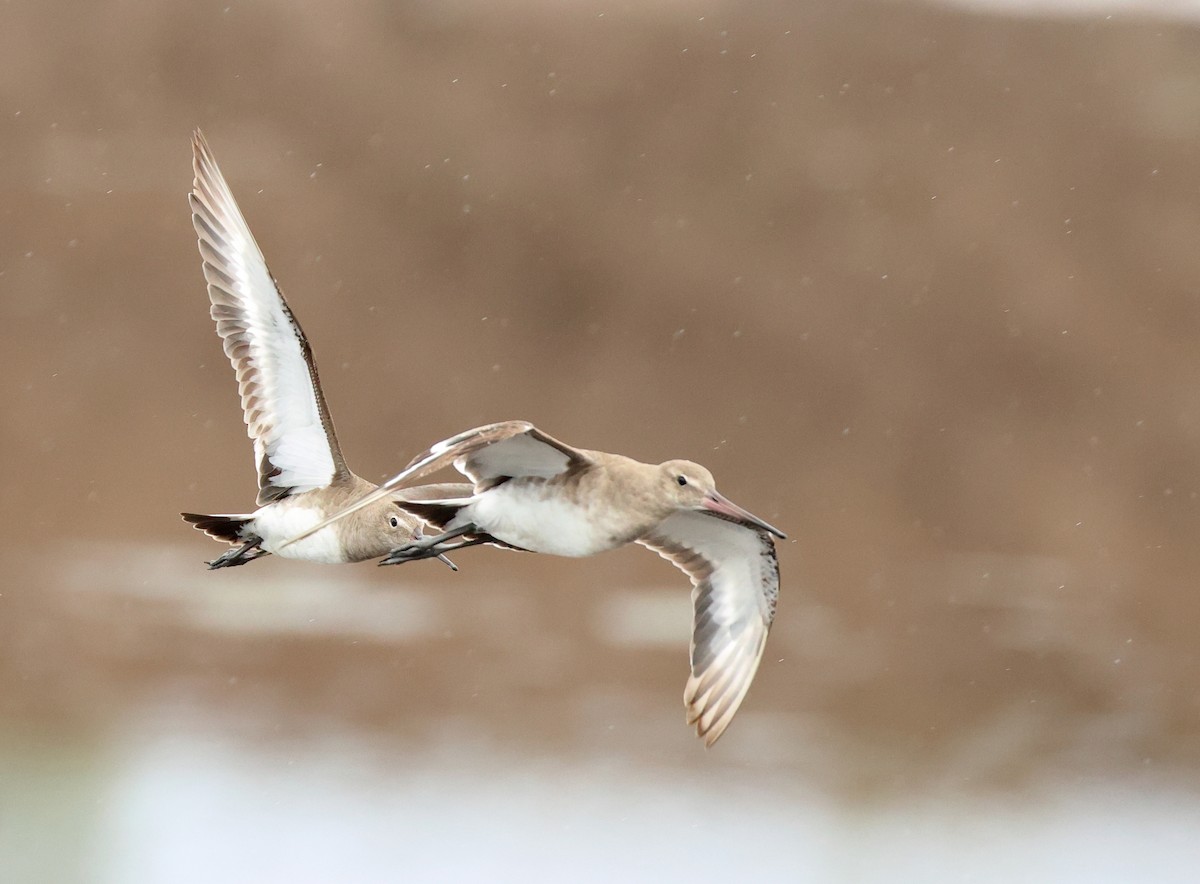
(202,155)
(711,705)
(488,433)
(713,731)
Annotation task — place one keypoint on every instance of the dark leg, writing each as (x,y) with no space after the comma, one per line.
(247,552)
(435,547)
(400,556)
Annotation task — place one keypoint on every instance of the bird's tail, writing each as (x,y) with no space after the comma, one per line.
(227,528)
(435,505)
(437,513)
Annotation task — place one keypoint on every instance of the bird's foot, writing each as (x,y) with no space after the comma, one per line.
(431,548)
(247,552)
(414,552)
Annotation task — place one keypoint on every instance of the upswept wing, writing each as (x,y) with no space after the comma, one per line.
(511,449)
(735,585)
(486,455)
(295,448)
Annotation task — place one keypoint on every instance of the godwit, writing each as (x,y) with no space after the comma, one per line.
(302,477)
(533,492)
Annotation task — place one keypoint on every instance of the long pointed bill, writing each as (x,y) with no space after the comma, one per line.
(440,455)
(719,503)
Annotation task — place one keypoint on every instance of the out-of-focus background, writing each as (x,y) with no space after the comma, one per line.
(919,283)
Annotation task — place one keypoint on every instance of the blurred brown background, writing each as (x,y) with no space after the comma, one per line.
(920,285)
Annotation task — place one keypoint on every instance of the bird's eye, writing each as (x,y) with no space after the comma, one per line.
(394,522)
(682,480)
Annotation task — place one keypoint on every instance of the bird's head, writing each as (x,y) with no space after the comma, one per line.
(692,487)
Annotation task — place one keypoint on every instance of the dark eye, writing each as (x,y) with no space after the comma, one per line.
(682,480)
(394,522)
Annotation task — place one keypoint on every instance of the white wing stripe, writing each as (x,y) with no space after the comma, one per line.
(457,449)
(283,416)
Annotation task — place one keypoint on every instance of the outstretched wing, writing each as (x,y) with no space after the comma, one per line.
(492,454)
(735,585)
(295,448)
(487,455)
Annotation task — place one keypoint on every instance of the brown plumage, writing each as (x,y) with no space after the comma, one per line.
(302,476)
(533,492)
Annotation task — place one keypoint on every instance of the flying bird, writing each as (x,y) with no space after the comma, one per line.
(302,477)
(533,492)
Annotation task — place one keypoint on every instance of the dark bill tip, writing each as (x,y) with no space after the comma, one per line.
(718,503)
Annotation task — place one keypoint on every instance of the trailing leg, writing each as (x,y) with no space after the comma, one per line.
(247,552)
(435,547)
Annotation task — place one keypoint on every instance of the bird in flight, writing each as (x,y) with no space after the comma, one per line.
(302,476)
(532,492)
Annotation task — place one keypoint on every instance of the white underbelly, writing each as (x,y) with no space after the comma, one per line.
(280,522)
(519,514)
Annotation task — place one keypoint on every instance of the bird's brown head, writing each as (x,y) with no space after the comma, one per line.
(396,525)
(686,484)
(691,486)
(376,529)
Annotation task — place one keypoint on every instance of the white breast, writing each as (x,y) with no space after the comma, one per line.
(523,515)
(281,521)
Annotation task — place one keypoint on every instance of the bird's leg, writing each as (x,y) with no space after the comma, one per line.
(247,552)
(400,556)
(433,547)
